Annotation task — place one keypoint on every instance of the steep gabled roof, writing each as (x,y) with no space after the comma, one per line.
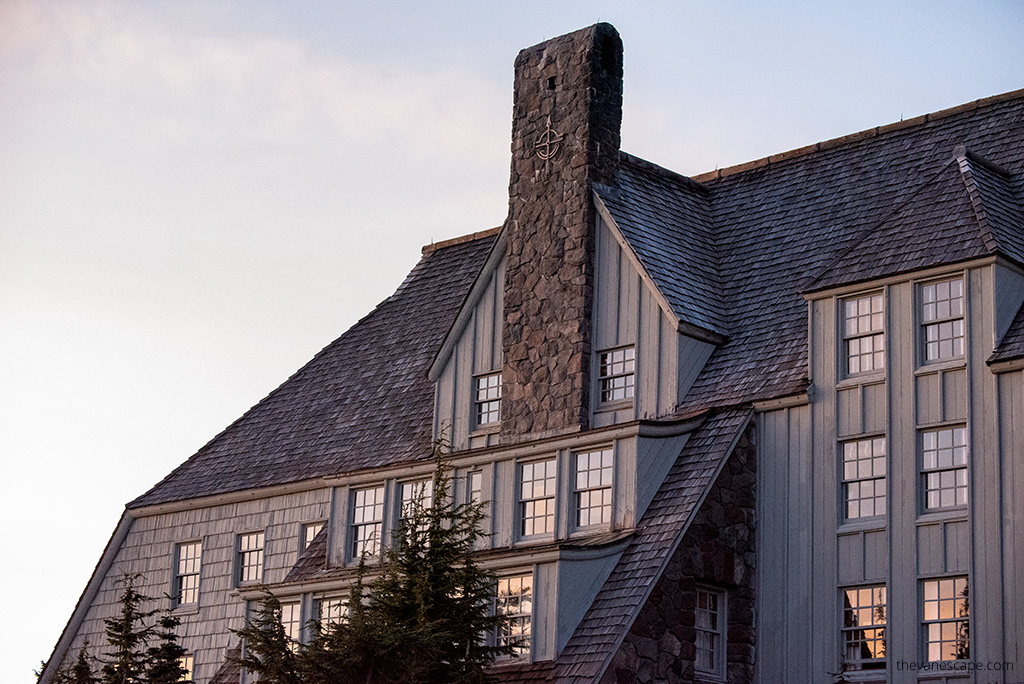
(364,401)
(667,222)
(779,223)
(661,529)
(1012,345)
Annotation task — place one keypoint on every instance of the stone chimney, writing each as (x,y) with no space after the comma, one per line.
(566,117)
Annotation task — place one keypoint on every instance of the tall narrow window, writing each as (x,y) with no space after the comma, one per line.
(944,467)
(947,627)
(942,319)
(537,498)
(291,620)
(514,598)
(615,374)
(863,333)
(367,521)
(593,493)
(417,493)
(475,486)
(864,478)
(186,663)
(710,624)
(864,628)
(250,557)
(186,572)
(487,399)
(309,532)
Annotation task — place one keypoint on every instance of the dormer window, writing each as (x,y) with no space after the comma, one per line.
(863,334)
(942,319)
(615,374)
(487,399)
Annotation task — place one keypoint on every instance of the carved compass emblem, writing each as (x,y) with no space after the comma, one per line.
(548,144)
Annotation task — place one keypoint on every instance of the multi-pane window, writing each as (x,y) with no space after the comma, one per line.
(487,399)
(864,628)
(332,611)
(615,374)
(367,521)
(863,333)
(944,467)
(291,620)
(710,624)
(186,572)
(250,557)
(537,498)
(309,532)
(942,319)
(864,478)
(475,486)
(186,663)
(514,598)
(593,493)
(947,632)
(417,493)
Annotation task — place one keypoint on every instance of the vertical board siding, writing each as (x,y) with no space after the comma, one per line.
(1011,439)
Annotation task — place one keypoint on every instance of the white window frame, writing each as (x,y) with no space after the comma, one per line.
(528,499)
(248,546)
(487,399)
(852,476)
(711,633)
(291,620)
(858,633)
(938,315)
(585,489)
(522,627)
(932,471)
(187,567)
(611,370)
(411,490)
(863,334)
(374,541)
(337,609)
(187,662)
(939,615)
(305,536)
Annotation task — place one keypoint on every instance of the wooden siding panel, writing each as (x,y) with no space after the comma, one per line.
(851,557)
(848,412)
(1011,447)
(930,549)
(929,399)
(957,550)
(874,411)
(954,395)
(876,556)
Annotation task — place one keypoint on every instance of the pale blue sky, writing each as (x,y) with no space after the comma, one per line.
(195,197)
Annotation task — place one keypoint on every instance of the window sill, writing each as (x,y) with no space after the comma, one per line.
(929,367)
(186,609)
(958,514)
(875,523)
(871,378)
(489,429)
(614,406)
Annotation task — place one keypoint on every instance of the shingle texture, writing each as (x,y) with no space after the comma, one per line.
(660,530)
(1012,345)
(364,401)
(312,561)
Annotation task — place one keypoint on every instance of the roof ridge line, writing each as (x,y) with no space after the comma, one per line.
(854,137)
(433,246)
(661,170)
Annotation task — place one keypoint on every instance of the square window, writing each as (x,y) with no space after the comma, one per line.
(187,559)
(615,374)
(864,628)
(514,598)
(250,557)
(863,478)
(309,532)
(947,634)
(864,334)
(593,487)
(710,623)
(942,319)
(487,399)
(367,521)
(332,611)
(944,467)
(537,498)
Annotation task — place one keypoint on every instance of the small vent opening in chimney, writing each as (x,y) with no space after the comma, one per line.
(551,82)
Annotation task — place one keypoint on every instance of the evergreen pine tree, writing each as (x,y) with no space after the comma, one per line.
(165,664)
(268,650)
(80,672)
(127,636)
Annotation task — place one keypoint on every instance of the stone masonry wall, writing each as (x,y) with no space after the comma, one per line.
(718,550)
(565,135)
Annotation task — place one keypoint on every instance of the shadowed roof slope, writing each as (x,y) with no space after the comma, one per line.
(780,223)
(1012,345)
(364,401)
